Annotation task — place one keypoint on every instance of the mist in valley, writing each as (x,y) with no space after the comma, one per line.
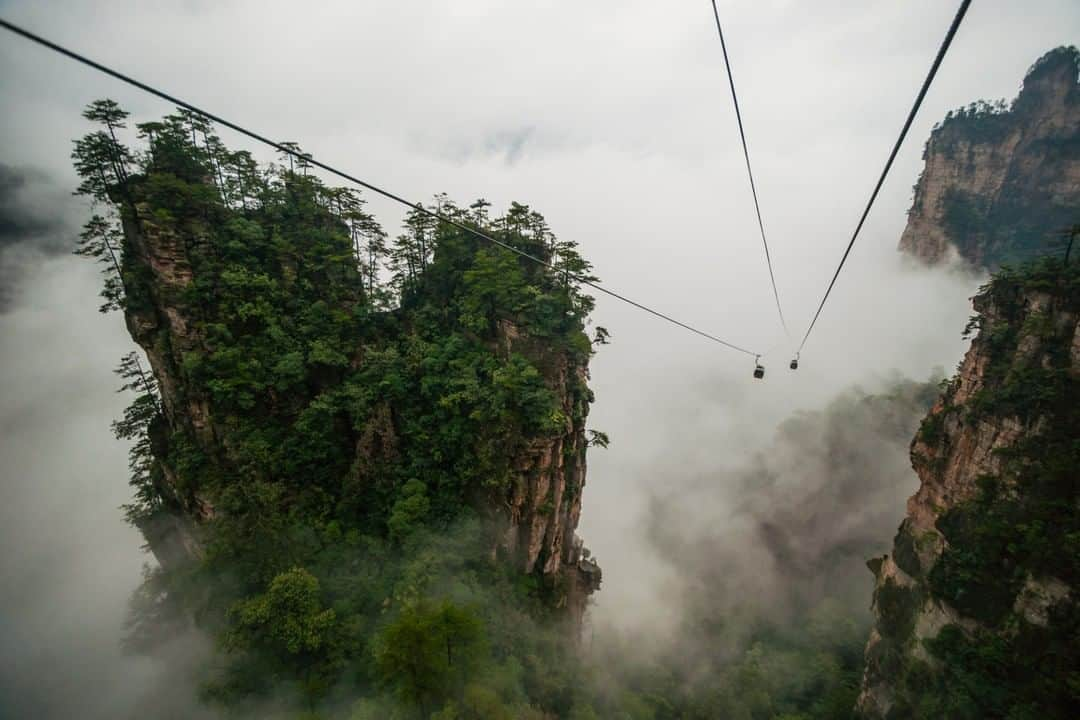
(721,499)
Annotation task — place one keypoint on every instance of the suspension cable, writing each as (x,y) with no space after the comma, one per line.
(749,172)
(892,156)
(362,183)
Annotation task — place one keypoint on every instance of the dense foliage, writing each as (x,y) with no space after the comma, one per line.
(339,410)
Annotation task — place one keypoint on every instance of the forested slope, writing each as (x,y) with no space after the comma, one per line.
(358,459)
(976,606)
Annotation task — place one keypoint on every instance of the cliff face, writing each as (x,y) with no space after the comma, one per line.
(543,506)
(1002,184)
(976,607)
(532,513)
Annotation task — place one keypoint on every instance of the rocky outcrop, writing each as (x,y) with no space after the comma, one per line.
(1001,183)
(534,520)
(978,561)
(543,505)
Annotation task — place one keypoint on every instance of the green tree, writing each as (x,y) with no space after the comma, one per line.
(109,114)
(429,651)
(288,617)
(100,240)
(288,626)
(410,510)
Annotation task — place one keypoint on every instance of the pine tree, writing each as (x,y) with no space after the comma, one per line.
(243,180)
(109,114)
(413,249)
(100,240)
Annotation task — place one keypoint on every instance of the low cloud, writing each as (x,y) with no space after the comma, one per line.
(70,561)
(35,223)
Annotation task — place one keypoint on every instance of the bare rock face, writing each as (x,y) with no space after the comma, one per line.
(1002,183)
(543,505)
(1014,387)
(158,324)
(535,520)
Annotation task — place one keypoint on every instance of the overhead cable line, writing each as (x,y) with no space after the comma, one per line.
(892,156)
(749,171)
(351,178)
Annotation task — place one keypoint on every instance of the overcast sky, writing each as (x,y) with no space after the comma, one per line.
(611,118)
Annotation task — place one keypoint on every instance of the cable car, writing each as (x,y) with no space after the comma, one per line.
(759,369)
(795,362)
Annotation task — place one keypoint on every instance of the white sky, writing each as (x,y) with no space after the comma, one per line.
(612,118)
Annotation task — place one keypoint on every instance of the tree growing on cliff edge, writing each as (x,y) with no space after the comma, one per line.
(101,160)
